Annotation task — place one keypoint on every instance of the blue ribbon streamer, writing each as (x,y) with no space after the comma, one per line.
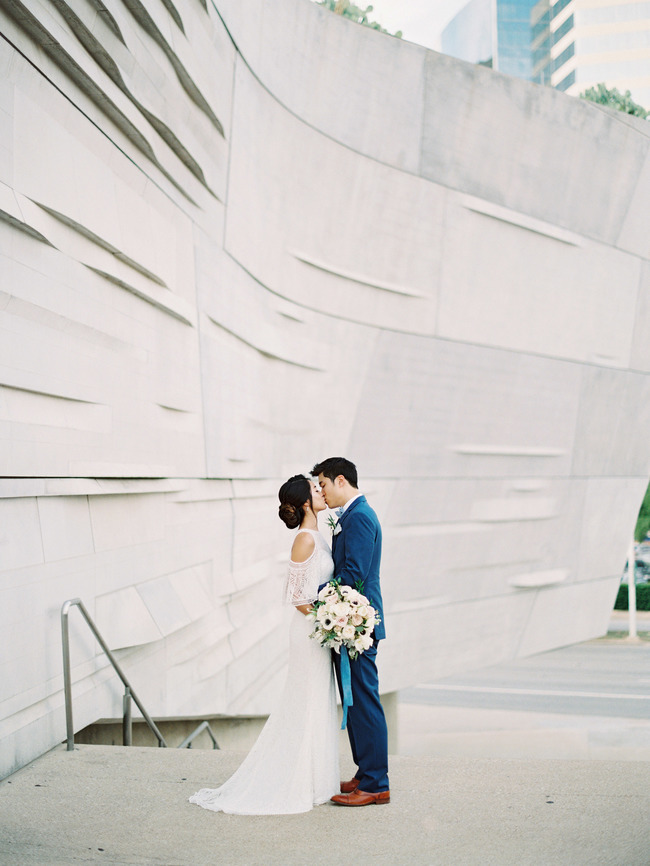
(346,685)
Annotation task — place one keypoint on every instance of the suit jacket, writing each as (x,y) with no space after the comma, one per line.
(356,551)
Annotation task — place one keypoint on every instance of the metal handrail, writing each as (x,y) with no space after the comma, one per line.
(204,726)
(129,694)
(67,679)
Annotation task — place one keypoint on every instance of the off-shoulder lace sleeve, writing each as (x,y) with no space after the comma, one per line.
(298,583)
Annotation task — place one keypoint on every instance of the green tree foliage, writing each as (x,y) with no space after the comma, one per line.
(615,99)
(355,13)
(642,597)
(643,521)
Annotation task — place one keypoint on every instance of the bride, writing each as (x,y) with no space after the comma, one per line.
(294,765)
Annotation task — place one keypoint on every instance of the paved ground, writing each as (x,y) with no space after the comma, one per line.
(111,805)
(590,701)
(489,786)
(620,622)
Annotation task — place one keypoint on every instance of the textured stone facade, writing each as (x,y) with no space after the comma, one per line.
(239,237)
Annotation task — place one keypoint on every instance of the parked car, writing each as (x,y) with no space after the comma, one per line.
(641,572)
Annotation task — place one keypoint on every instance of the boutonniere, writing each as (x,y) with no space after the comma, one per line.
(334,525)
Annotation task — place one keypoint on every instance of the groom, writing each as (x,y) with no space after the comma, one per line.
(356,549)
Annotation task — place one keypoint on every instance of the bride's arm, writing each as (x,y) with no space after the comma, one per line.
(302,557)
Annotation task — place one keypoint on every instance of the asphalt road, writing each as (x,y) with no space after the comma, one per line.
(600,678)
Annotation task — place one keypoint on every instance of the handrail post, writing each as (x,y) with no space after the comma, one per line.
(204,726)
(67,680)
(127,728)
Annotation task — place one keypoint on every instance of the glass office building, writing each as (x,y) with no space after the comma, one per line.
(568,44)
(541,41)
(580,43)
(495,33)
(469,35)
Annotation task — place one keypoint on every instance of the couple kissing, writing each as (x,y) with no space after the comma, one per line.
(294,764)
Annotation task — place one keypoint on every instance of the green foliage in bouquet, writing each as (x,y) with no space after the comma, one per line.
(350,625)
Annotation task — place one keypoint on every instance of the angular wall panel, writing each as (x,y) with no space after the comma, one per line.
(237,237)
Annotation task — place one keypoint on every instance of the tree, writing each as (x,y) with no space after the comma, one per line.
(643,521)
(355,13)
(615,99)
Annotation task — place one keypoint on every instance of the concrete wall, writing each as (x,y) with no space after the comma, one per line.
(237,238)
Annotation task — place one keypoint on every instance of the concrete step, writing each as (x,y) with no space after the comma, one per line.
(115,805)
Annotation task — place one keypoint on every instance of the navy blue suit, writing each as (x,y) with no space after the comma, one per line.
(356,550)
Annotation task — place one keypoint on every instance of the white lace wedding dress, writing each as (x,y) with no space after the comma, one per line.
(294,765)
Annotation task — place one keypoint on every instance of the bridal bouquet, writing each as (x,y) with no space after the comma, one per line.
(343,617)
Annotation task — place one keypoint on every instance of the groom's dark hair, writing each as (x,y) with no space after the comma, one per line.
(335,466)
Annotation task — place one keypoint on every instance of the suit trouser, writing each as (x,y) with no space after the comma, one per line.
(367,729)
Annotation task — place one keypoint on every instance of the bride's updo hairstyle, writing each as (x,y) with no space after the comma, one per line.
(293,494)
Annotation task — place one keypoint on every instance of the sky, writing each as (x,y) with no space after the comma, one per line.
(420,21)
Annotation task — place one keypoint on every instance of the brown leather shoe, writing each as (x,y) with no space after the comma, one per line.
(361,798)
(349,787)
